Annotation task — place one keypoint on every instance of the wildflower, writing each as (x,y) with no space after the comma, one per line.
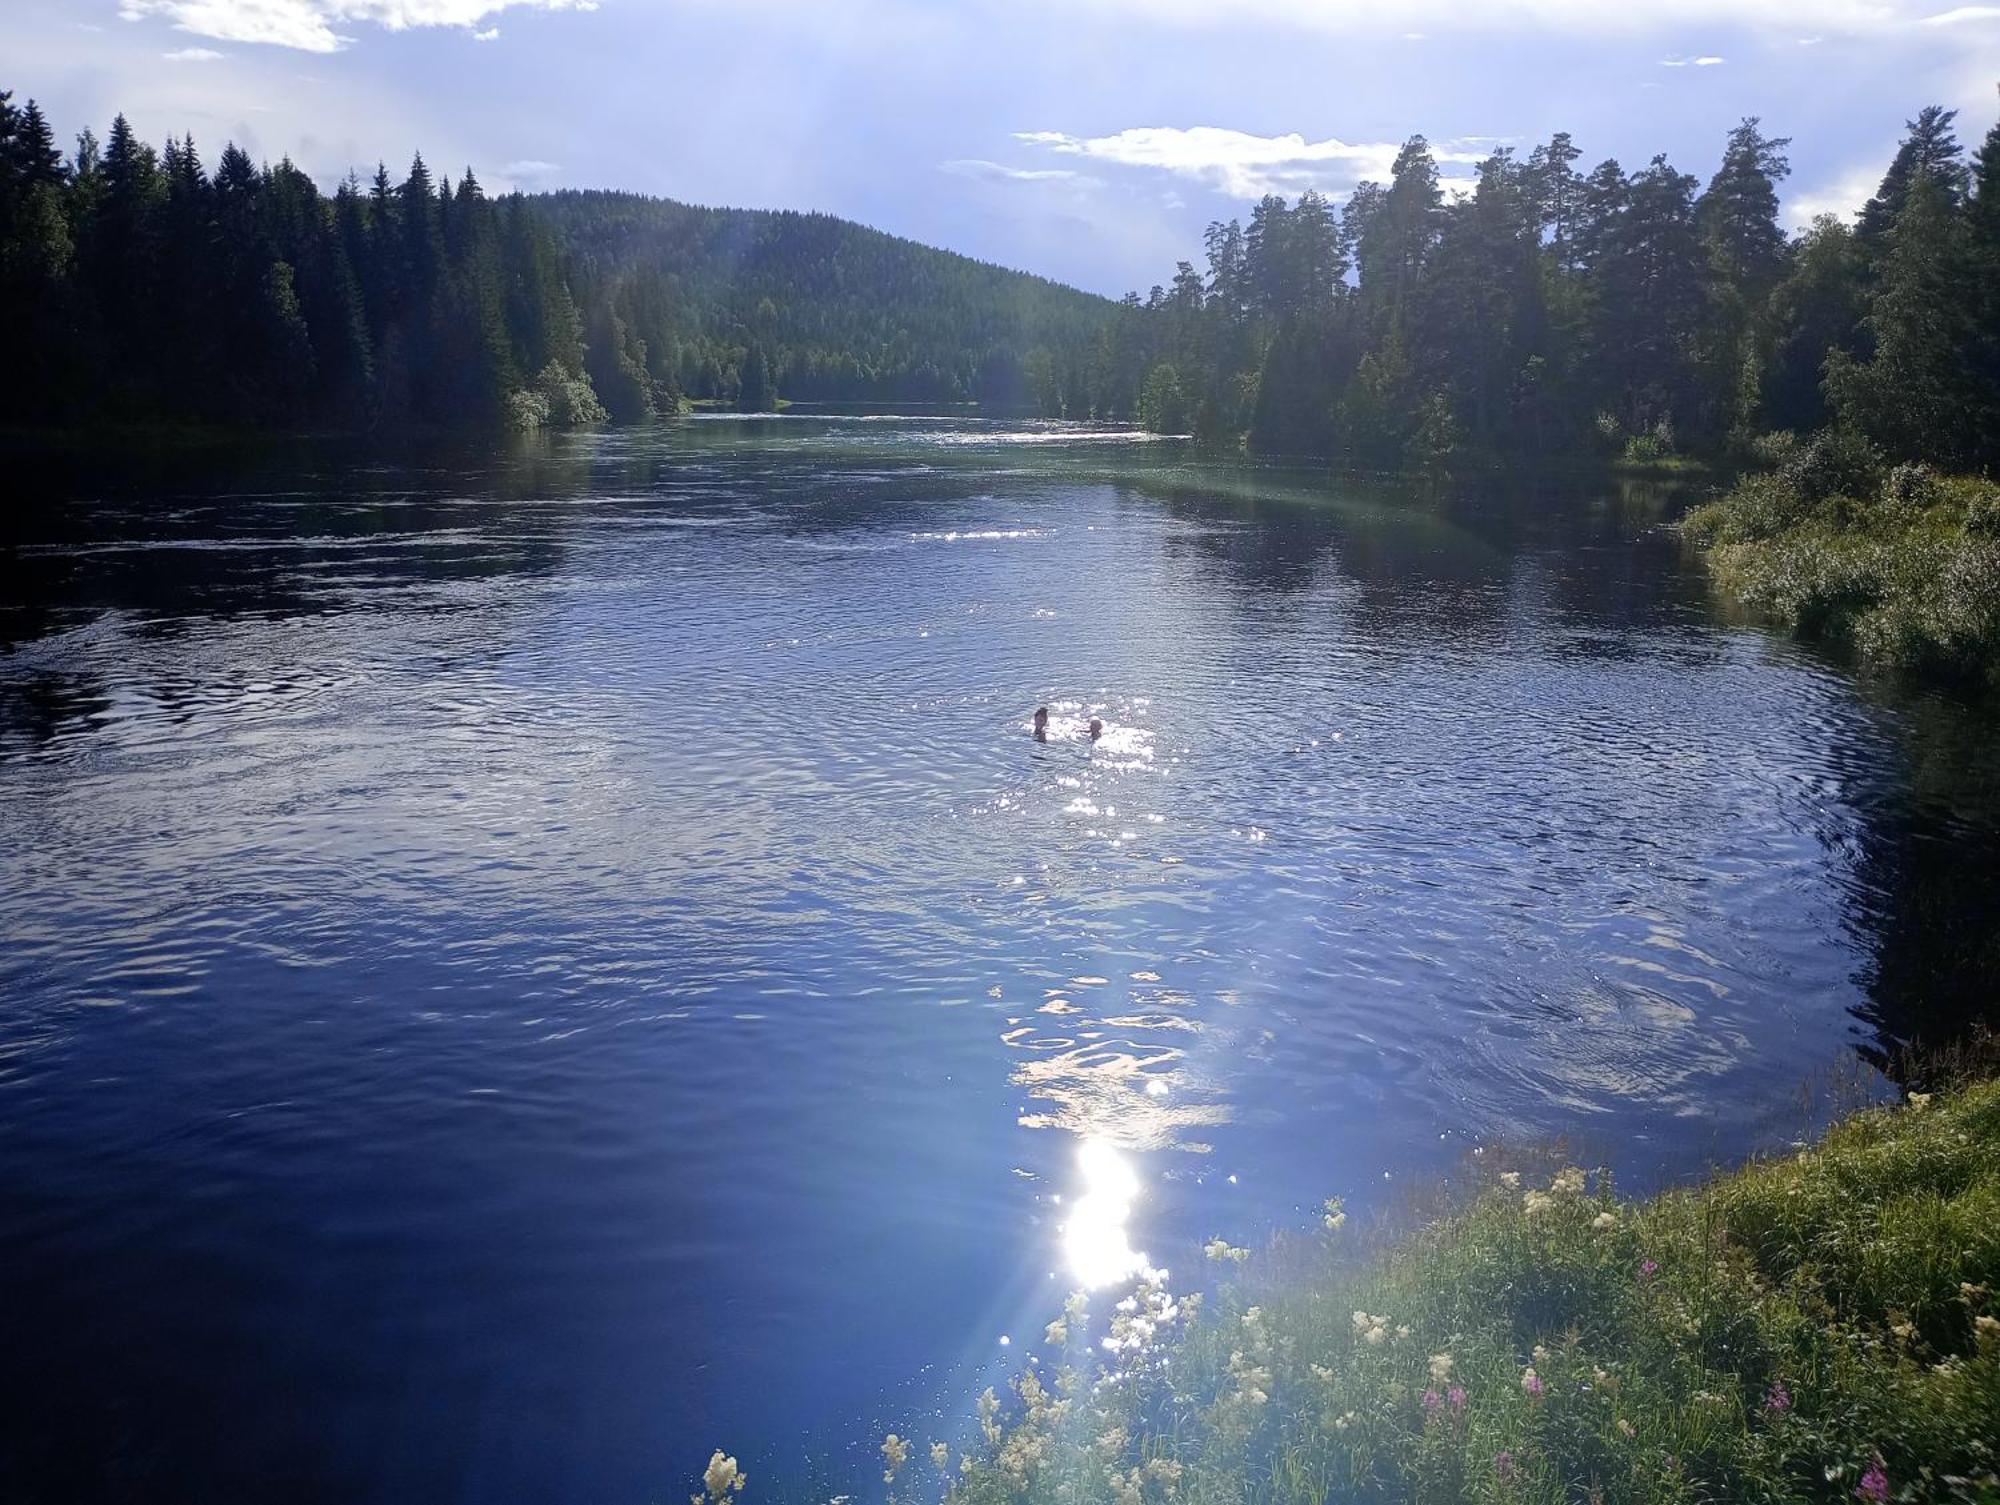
(1374,1331)
(894,1451)
(1602,1380)
(1345,1420)
(1604,1221)
(1777,1400)
(1568,1182)
(1113,1443)
(1125,1490)
(1510,1179)
(1455,1398)
(1987,1330)
(1906,1332)
(1648,1269)
(1625,1427)
(1165,1471)
(1920,1100)
(1440,1368)
(1874,1484)
(1971,1294)
(1403,1331)
(1535,1202)
(1432,1400)
(1335,1216)
(1322,1373)
(1503,1466)
(722,1477)
(1532,1382)
(941,1456)
(1217,1248)
(1541,1354)
(989,1416)
(1056,1334)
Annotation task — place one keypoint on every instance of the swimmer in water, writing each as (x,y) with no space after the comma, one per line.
(1042,723)
(1096,728)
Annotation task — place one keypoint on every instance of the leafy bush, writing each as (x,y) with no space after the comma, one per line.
(1904,566)
(1912,486)
(1775,448)
(1837,462)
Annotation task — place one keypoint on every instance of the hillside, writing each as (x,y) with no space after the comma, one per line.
(842,311)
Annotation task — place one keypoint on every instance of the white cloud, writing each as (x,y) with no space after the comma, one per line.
(309,25)
(530,167)
(1963,14)
(974,167)
(1569,17)
(1706,61)
(491,34)
(194,55)
(1237,163)
(1841,196)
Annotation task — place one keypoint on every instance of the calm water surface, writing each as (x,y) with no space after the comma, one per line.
(519,970)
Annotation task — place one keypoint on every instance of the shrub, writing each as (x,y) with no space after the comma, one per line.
(1837,462)
(1912,486)
(1775,448)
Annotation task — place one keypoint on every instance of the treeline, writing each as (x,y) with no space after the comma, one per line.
(1553,309)
(137,285)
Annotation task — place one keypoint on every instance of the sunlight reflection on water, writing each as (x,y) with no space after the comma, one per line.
(1097,1239)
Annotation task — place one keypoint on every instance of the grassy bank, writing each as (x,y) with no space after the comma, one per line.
(1820,1326)
(1902,565)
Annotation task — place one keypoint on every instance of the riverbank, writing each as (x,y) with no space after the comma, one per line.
(1900,565)
(1816,1326)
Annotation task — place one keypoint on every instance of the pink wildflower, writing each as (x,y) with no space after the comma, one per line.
(1777,1400)
(1456,1397)
(1432,1400)
(1503,1467)
(1649,1269)
(1874,1484)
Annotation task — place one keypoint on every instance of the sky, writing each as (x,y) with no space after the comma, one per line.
(1087,140)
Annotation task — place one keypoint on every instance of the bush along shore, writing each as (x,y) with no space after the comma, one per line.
(1816,1327)
(1900,564)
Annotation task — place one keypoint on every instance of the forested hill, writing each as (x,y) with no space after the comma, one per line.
(158,285)
(839,311)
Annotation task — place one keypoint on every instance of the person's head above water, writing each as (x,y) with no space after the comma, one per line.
(1041,723)
(1096,728)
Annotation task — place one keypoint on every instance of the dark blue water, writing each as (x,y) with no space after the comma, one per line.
(521,969)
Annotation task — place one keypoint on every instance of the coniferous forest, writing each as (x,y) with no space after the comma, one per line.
(1546,309)
(1551,308)
(140,284)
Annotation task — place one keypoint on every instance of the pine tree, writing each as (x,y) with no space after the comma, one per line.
(1918,398)
(1930,150)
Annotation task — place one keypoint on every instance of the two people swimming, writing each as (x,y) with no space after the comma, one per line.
(1042,725)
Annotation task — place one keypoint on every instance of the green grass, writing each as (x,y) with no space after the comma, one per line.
(1903,567)
(1817,1327)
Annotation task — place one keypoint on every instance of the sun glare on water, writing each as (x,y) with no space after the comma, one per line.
(1097,1242)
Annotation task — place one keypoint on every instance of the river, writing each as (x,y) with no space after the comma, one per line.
(524,966)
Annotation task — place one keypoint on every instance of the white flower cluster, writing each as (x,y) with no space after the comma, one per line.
(1137,1321)
(721,1479)
(1335,1216)
(1217,1248)
(895,1452)
(1374,1331)
(1440,1368)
